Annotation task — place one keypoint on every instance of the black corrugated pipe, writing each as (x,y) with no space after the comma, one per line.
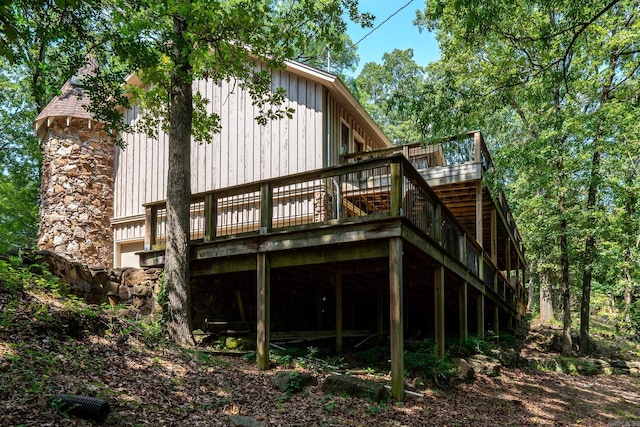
(81,406)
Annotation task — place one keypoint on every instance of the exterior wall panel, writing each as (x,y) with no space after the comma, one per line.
(242,152)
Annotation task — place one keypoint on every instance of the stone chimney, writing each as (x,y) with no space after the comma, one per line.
(76,194)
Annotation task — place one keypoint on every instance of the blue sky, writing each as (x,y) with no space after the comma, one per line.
(397,33)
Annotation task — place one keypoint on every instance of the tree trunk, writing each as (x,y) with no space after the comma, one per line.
(546,302)
(532,289)
(628,292)
(564,257)
(589,257)
(179,192)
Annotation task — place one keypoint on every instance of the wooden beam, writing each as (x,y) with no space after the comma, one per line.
(225,265)
(395,318)
(462,311)
(337,278)
(263,326)
(496,320)
(300,239)
(438,301)
(480,315)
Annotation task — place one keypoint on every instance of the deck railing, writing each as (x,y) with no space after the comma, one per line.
(455,150)
(380,187)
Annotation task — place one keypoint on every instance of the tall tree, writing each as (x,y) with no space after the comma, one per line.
(540,76)
(388,92)
(170,44)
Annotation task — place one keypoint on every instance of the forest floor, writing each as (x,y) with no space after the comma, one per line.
(50,346)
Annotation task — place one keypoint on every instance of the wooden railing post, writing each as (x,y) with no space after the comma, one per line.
(477,140)
(210,217)
(396,189)
(437,223)
(266,208)
(150,227)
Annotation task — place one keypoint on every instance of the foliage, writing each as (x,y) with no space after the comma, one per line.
(425,360)
(634,315)
(388,92)
(18,278)
(19,162)
(554,87)
(472,345)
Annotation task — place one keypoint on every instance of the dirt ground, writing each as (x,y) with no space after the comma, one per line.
(147,383)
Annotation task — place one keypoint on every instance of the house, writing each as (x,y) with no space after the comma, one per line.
(314,223)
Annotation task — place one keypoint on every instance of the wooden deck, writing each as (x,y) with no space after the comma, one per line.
(369,233)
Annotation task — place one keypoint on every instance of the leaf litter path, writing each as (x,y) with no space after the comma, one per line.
(150,384)
(166,386)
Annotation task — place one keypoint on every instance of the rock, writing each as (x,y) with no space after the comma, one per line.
(602,366)
(418,383)
(485,365)
(466,372)
(355,387)
(239,343)
(292,381)
(141,291)
(242,421)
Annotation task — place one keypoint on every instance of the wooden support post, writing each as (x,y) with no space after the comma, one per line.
(240,306)
(479,231)
(150,227)
(266,208)
(210,217)
(395,318)
(494,236)
(319,311)
(462,310)
(380,315)
(438,301)
(338,285)
(508,259)
(496,320)
(263,310)
(480,316)
(396,189)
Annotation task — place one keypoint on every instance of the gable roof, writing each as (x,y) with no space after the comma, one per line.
(335,86)
(339,91)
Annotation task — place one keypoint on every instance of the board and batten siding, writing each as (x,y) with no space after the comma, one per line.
(242,152)
(337,116)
